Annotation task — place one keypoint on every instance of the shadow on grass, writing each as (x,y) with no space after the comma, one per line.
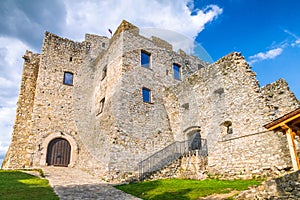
(184,188)
(151,190)
(178,195)
(19,185)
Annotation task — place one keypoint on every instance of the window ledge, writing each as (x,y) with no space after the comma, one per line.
(148,102)
(177,79)
(149,68)
(68,84)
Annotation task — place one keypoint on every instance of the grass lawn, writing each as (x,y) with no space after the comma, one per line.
(19,185)
(178,189)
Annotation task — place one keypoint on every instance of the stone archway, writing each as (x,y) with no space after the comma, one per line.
(193,137)
(58,152)
(57,139)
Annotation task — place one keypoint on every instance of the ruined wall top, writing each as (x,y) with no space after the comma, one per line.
(161,43)
(63,44)
(235,57)
(126,26)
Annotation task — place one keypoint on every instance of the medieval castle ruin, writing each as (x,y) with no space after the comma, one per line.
(109,105)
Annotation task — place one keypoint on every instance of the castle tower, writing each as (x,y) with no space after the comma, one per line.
(22,146)
(106,104)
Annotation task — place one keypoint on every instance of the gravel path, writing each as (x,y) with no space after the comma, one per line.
(73,184)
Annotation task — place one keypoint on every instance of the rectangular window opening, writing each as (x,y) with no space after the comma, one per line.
(71,59)
(104,72)
(68,78)
(145,59)
(146,95)
(177,71)
(100,107)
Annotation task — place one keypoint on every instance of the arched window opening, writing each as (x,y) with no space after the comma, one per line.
(227,128)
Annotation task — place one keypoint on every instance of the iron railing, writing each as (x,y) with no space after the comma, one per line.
(168,154)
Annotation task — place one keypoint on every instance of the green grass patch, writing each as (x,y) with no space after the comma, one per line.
(179,189)
(19,185)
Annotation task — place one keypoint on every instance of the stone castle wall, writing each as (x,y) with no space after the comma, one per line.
(279,100)
(254,155)
(19,155)
(226,96)
(53,104)
(119,136)
(224,92)
(95,127)
(144,127)
(111,129)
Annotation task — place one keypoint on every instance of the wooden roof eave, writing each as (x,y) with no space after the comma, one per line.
(284,118)
(273,125)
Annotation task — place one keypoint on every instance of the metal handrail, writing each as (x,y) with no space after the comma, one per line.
(168,154)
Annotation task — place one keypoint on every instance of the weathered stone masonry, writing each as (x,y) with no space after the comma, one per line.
(19,154)
(227,92)
(109,127)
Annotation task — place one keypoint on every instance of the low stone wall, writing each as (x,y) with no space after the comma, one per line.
(286,187)
(263,154)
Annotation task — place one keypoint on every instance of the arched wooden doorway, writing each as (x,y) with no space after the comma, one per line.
(58,152)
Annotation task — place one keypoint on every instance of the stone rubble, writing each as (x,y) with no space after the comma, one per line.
(282,188)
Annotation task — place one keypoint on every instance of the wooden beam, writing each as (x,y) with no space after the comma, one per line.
(283,126)
(284,122)
(290,137)
(296,121)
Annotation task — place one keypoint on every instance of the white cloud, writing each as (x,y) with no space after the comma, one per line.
(7,116)
(11,51)
(72,20)
(296,43)
(97,16)
(271,54)
(171,20)
(27,20)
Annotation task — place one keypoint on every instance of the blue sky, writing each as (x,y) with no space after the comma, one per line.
(256,28)
(266,32)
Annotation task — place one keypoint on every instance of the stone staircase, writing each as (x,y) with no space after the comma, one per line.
(168,155)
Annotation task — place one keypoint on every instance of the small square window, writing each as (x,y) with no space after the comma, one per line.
(103,45)
(177,71)
(146,95)
(68,78)
(200,66)
(145,59)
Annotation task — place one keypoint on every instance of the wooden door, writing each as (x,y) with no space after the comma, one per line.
(58,153)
